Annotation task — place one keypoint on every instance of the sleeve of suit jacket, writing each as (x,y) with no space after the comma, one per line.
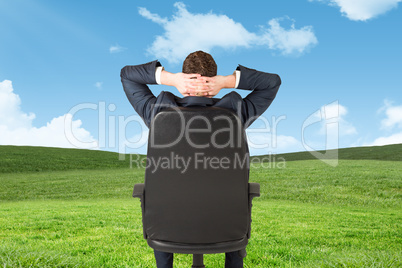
(135,79)
(264,87)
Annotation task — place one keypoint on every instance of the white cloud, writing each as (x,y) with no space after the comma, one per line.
(99,85)
(362,10)
(393,116)
(332,119)
(154,17)
(337,113)
(288,41)
(116,49)
(268,143)
(10,111)
(16,126)
(391,122)
(392,139)
(186,32)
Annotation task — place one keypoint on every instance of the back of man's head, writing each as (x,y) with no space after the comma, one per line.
(200,62)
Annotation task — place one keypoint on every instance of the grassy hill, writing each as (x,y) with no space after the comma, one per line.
(73,208)
(36,159)
(391,152)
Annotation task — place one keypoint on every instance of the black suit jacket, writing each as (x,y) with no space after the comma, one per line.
(263,87)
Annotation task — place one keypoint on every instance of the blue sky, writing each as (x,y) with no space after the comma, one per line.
(60,64)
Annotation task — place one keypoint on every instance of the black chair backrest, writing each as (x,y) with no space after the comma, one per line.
(196,179)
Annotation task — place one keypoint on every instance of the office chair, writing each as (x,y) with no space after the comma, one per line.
(197,198)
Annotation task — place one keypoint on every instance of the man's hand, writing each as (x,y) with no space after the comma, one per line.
(190,84)
(216,83)
(186,84)
(197,85)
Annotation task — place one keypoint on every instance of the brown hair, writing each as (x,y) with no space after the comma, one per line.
(200,62)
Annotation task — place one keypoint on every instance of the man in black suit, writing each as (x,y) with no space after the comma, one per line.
(199,83)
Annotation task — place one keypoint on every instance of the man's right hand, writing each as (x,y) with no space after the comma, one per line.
(186,84)
(216,83)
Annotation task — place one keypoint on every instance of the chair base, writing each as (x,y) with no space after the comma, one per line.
(198,261)
(198,248)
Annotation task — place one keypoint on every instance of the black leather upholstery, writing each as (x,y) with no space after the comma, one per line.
(196,197)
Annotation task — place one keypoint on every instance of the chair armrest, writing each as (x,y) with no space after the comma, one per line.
(139,190)
(253,189)
(139,193)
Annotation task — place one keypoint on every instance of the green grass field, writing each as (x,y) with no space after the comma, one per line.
(73,208)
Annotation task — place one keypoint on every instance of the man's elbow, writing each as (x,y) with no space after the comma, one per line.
(278,81)
(274,82)
(123,72)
